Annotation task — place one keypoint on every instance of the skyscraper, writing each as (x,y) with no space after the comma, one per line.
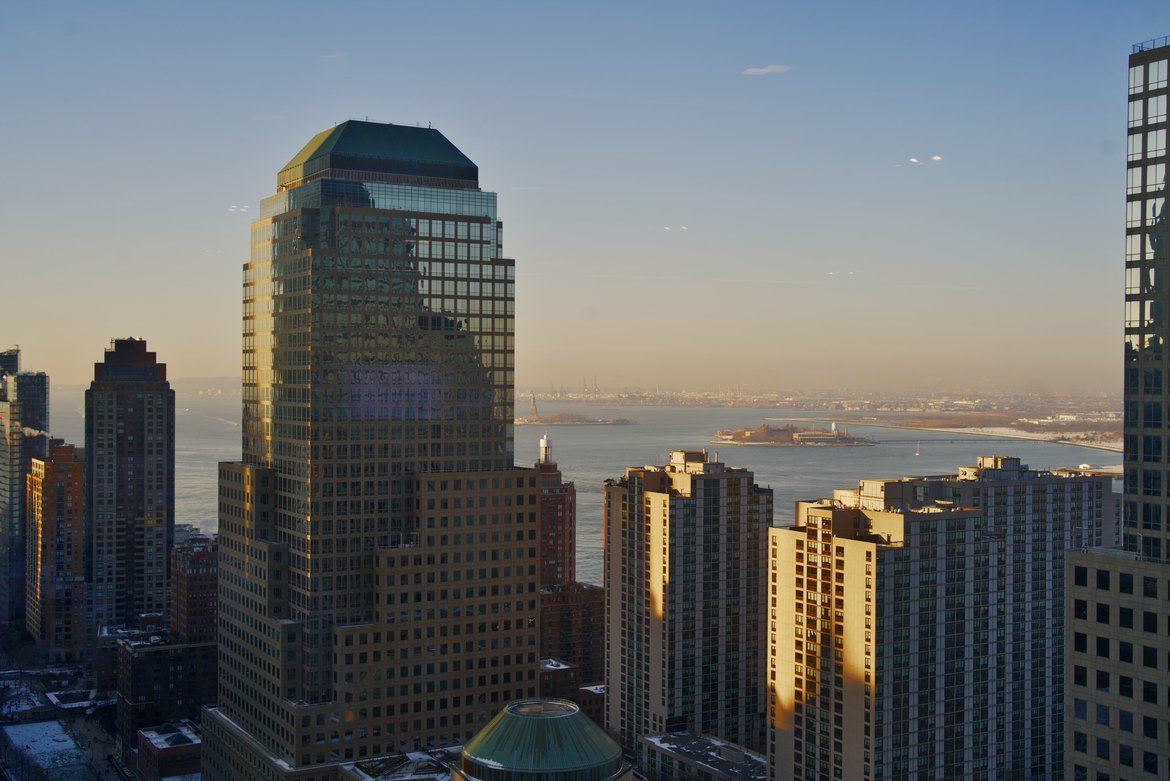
(912,629)
(24,425)
(1118,633)
(685,571)
(130,484)
(378,549)
(55,533)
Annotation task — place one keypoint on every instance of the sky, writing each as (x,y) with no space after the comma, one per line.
(776,195)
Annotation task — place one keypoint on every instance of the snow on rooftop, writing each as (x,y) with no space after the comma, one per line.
(46,744)
(548,663)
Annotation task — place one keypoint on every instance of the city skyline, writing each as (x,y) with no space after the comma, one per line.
(791,149)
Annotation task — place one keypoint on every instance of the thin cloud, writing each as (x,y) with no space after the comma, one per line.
(764,71)
(335,56)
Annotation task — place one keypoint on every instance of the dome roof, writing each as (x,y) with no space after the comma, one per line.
(536,738)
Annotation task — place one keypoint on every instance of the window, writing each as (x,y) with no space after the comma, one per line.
(1102,748)
(1103,579)
(1125,651)
(1080,708)
(1125,617)
(1081,576)
(1080,642)
(1150,587)
(1124,720)
(1149,762)
(1080,675)
(1080,742)
(1103,647)
(1080,609)
(1149,621)
(1102,613)
(1149,727)
(1125,686)
(1102,680)
(1125,582)
(1149,657)
(1126,754)
(1150,692)
(1103,715)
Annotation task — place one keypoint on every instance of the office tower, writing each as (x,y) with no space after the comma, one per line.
(685,571)
(194,591)
(130,485)
(24,423)
(912,621)
(55,560)
(1117,703)
(10,361)
(378,549)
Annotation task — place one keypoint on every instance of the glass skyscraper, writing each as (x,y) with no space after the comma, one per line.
(1117,700)
(376,509)
(24,424)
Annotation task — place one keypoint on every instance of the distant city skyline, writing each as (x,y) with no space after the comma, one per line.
(890,197)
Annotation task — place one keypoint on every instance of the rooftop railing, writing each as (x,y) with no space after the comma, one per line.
(1153,43)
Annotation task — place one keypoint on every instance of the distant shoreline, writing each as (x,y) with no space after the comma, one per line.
(996,434)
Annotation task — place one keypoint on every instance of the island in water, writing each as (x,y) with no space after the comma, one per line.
(567,419)
(791,435)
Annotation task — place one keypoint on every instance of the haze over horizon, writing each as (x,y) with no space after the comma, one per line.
(897,197)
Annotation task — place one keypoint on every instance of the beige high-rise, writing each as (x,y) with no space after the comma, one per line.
(685,564)
(914,625)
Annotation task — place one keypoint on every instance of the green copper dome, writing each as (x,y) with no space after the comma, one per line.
(540,740)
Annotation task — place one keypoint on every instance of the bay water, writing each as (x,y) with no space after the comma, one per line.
(207,432)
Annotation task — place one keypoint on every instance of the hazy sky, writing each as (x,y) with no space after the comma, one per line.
(815,253)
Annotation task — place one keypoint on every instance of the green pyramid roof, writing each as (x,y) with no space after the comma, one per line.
(540,737)
(380,148)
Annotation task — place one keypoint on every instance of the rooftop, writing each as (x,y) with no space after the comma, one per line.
(378,148)
(725,760)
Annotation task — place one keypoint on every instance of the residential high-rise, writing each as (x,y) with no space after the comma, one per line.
(24,425)
(378,549)
(572,614)
(912,623)
(130,485)
(685,573)
(558,522)
(194,591)
(1118,634)
(55,534)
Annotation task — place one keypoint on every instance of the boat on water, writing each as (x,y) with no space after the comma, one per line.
(791,436)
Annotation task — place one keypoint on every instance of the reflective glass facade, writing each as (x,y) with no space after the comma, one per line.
(378,343)
(1147,308)
(1117,641)
(24,423)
